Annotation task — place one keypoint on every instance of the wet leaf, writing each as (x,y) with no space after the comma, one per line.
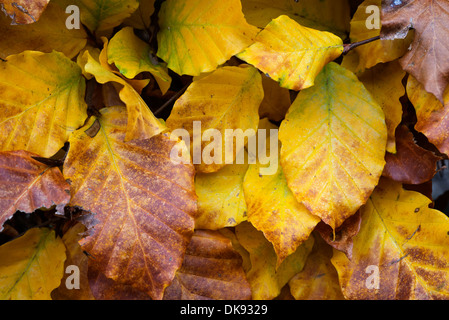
(143,202)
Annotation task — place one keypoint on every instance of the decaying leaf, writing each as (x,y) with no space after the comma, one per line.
(212,270)
(23,11)
(333,145)
(27,185)
(432,116)
(197,36)
(42,102)
(31,265)
(427,59)
(292,54)
(140,202)
(411,164)
(400,251)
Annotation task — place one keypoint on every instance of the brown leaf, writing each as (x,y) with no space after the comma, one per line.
(143,203)
(343,236)
(427,60)
(23,11)
(212,269)
(27,184)
(411,164)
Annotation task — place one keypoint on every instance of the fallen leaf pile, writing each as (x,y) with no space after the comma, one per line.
(334,205)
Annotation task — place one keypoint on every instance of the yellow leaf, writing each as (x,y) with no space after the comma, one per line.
(141,18)
(319,279)
(47,34)
(273,209)
(100,15)
(227,99)
(198,35)
(31,265)
(292,54)
(324,15)
(42,102)
(132,56)
(333,145)
(432,116)
(378,51)
(400,251)
(265,279)
(384,82)
(221,202)
(141,201)
(142,124)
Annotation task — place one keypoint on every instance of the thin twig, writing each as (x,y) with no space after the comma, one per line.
(169,101)
(348,47)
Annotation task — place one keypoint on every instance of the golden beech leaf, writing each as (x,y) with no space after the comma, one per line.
(31,265)
(132,56)
(42,102)
(273,209)
(141,18)
(375,52)
(212,269)
(27,185)
(23,11)
(198,35)
(325,15)
(432,116)
(48,34)
(100,15)
(384,82)
(221,202)
(265,279)
(227,99)
(77,258)
(143,204)
(319,279)
(142,124)
(400,251)
(333,145)
(292,54)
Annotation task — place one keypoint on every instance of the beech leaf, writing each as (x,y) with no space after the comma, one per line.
(333,145)
(143,202)
(23,11)
(31,265)
(292,54)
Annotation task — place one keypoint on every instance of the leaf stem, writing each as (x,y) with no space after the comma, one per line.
(348,47)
